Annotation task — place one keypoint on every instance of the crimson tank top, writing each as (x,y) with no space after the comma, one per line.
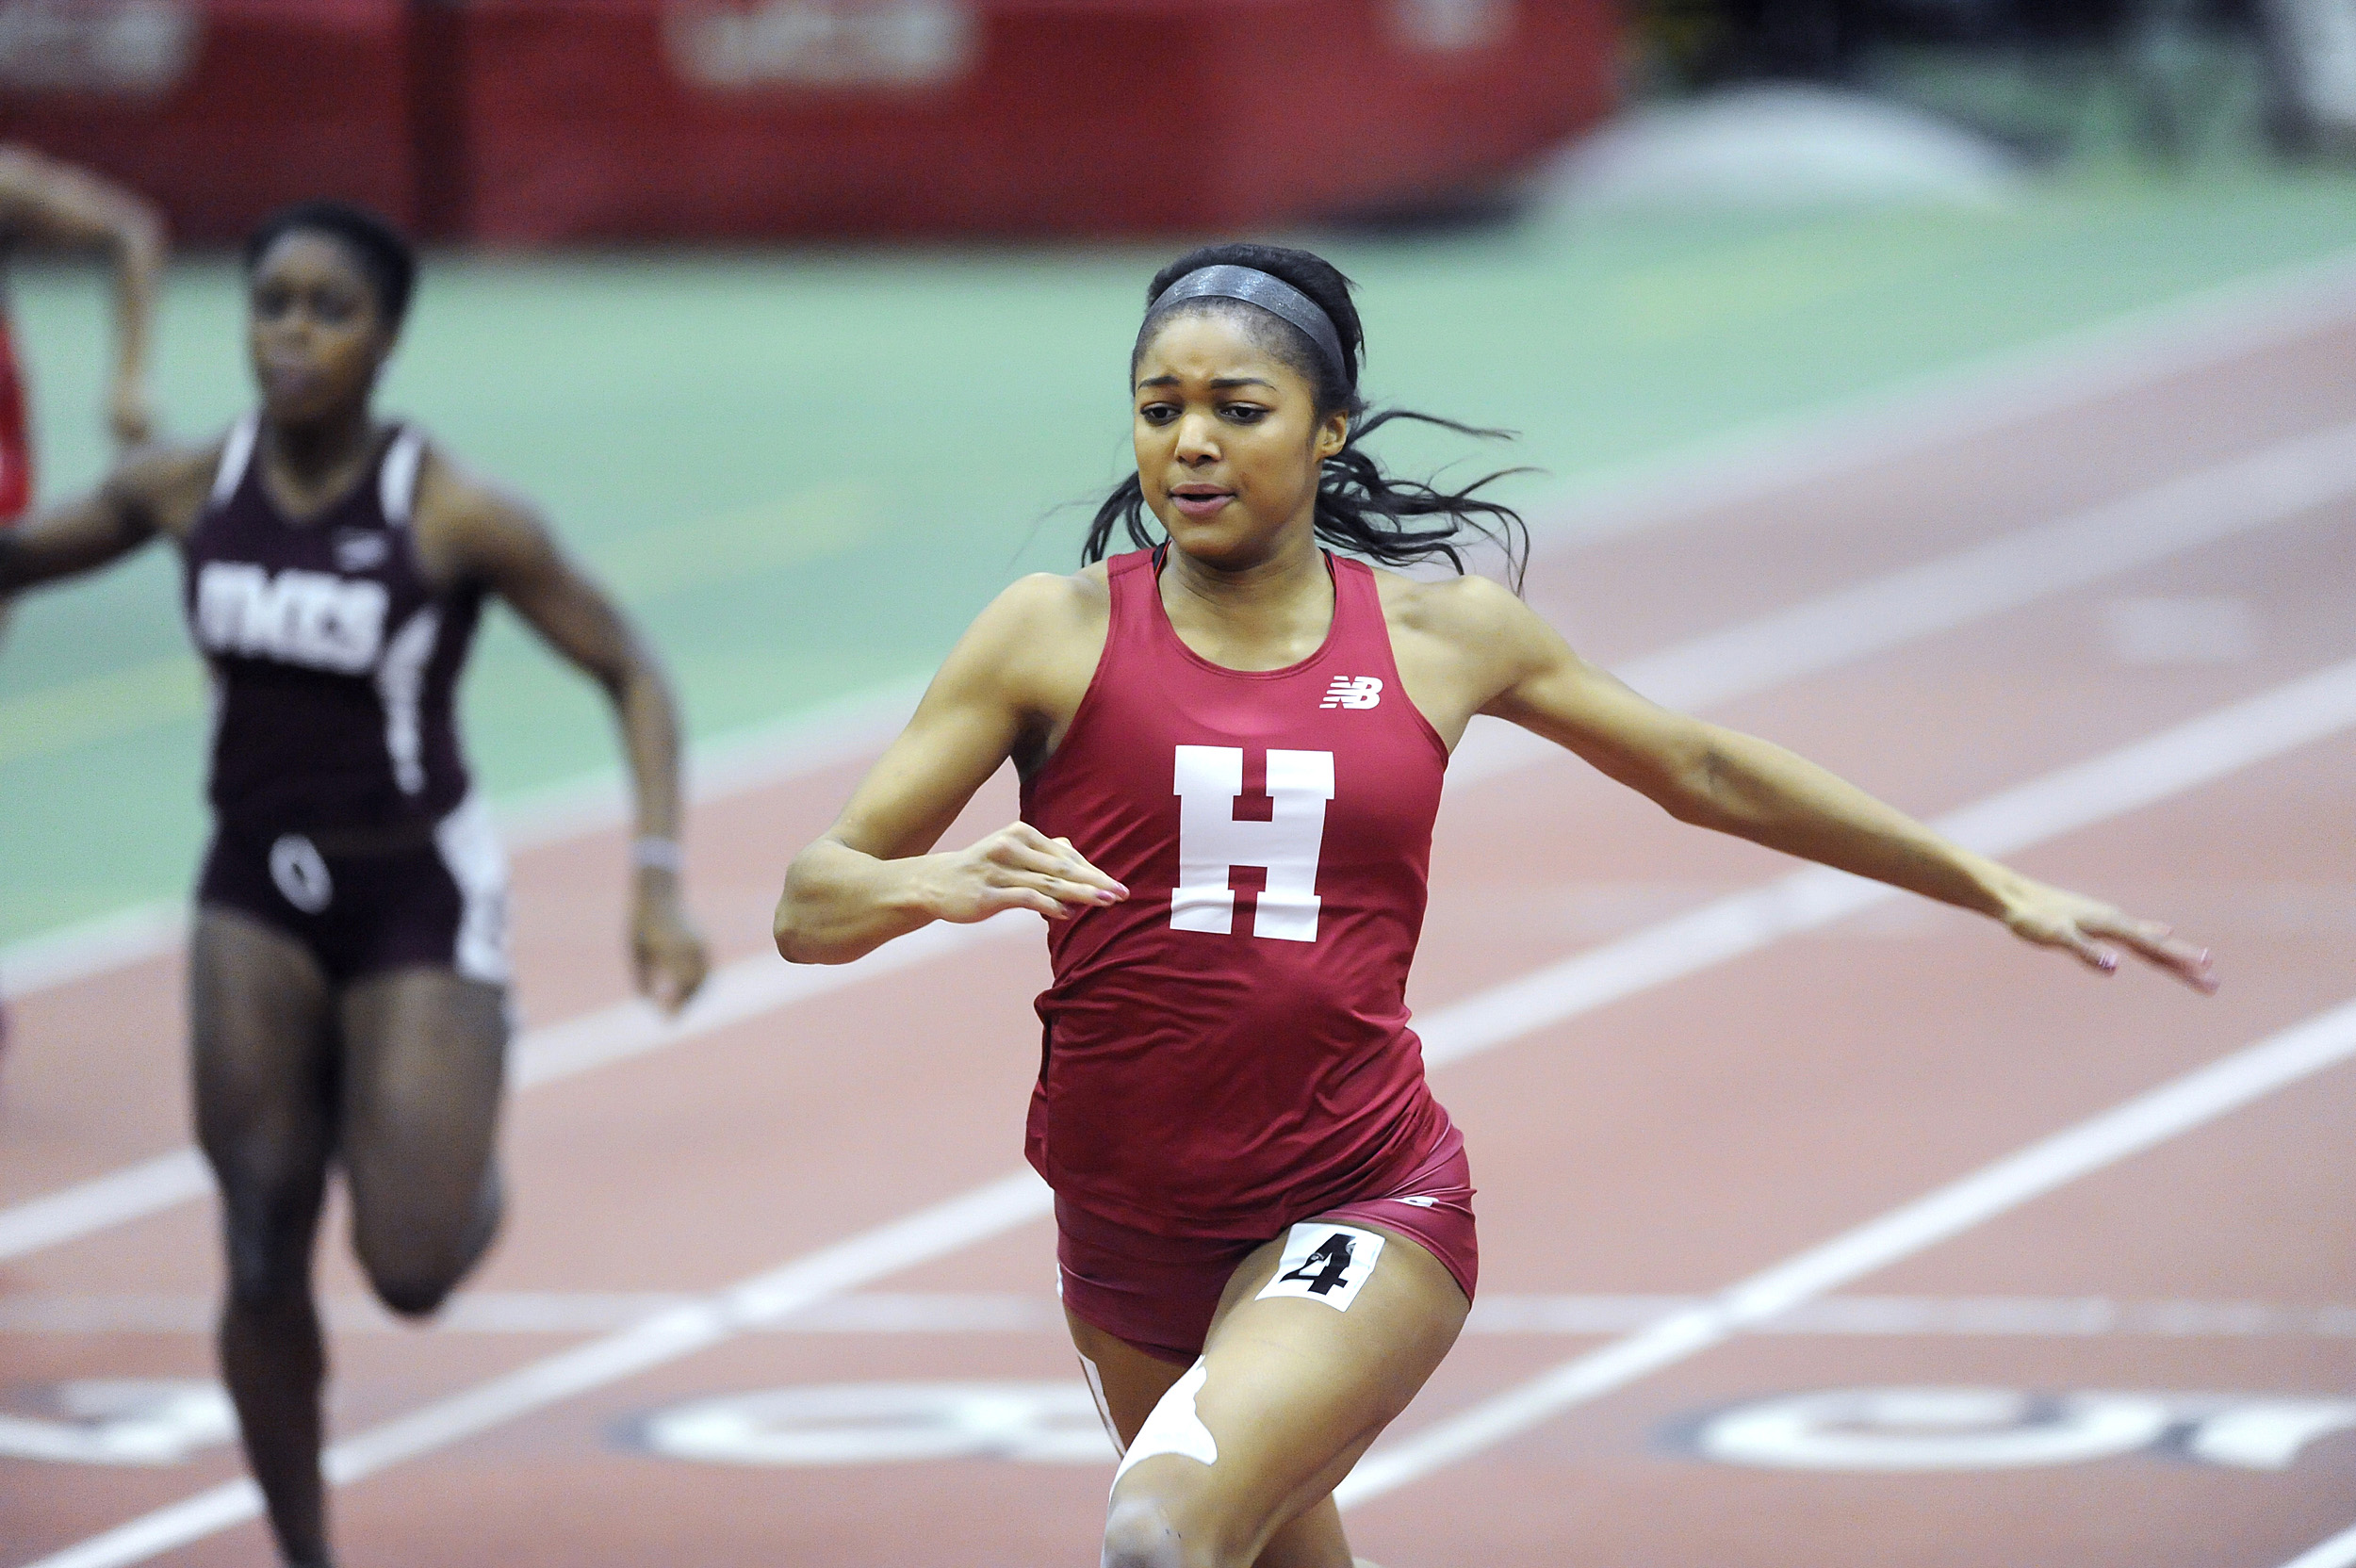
(335,663)
(1228,1051)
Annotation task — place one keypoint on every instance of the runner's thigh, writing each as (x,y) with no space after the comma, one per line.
(424,1064)
(261,1032)
(1296,1385)
(1127,1382)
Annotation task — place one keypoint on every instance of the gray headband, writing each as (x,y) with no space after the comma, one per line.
(1268,292)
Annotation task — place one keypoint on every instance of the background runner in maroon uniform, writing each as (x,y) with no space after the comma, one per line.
(346,968)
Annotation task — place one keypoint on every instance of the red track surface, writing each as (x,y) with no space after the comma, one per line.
(1667,1144)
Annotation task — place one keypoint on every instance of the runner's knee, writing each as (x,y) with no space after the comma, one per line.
(413,1264)
(1171,1522)
(414,1276)
(268,1264)
(1138,1533)
(268,1221)
(413,1294)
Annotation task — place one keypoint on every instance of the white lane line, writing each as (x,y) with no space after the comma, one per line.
(2267,487)
(2338,1552)
(884,1311)
(2138,775)
(2199,752)
(2271,486)
(118,1198)
(1944,407)
(748,989)
(2151,1119)
(2085,365)
(1906,1317)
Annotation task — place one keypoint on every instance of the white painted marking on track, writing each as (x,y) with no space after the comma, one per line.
(2338,1552)
(1919,1430)
(885,1423)
(2200,752)
(2139,348)
(122,1421)
(2142,1123)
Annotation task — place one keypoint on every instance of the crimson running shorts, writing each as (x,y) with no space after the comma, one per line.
(1159,1293)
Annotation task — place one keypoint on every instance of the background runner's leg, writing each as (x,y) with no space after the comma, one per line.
(264,1062)
(1294,1392)
(424,1061)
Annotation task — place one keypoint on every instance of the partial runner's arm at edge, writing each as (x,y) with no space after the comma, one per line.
(52,204)
(1720,778)
(147,494)
(504,544)
(870,879)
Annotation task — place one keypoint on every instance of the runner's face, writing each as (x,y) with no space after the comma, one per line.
(316,334)
(1228,437)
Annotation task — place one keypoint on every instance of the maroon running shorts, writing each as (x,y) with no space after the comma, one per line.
(1159,1293)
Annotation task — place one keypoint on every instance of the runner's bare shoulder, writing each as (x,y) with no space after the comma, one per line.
(165,487)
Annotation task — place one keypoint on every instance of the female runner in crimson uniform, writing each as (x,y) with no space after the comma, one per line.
(1232,747)
(348,969)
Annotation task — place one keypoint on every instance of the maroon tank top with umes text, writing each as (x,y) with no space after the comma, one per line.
(1228,1051)
(335,663)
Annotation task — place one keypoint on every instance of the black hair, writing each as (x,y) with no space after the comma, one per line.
(386,257)
(1359,508)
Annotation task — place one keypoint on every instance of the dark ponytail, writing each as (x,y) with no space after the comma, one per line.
(1360,509)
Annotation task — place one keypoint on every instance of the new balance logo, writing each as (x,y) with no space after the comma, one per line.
(1353,690)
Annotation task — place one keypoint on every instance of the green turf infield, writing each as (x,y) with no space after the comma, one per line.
(805,470)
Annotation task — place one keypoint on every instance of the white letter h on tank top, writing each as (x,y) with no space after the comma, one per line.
(1211,842)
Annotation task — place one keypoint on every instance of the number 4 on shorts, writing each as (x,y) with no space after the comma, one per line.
(1325,1262)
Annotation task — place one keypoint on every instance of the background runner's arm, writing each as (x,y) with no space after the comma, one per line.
(44,202)
(869,878)
(507,549)
(84,534)
(1716,777)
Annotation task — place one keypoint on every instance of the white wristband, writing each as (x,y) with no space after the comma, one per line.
(656,854)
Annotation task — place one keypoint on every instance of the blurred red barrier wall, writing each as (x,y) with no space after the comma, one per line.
(219,109)
(532,121)
(616,119)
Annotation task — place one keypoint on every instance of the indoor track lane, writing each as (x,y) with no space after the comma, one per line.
(1677,1140)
